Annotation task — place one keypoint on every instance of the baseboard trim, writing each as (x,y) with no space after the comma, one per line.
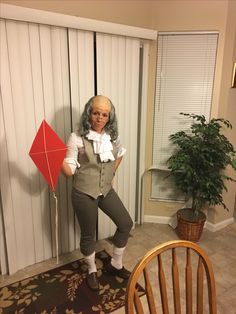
(172,222)
(157,219)
(220,225)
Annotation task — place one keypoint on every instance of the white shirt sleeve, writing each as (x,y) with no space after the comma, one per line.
(120,148)
(74,144)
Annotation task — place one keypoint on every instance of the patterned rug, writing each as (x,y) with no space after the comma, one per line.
(64,290)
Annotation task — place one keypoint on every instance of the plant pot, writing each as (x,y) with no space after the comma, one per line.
(189,226)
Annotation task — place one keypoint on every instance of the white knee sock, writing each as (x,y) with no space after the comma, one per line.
(117,257)
(90,260)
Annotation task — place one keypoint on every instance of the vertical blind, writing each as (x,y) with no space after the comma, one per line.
(35,84)
(118,78)
(49,72)
(184,83)
(81,56)
(24,207)
(81,64)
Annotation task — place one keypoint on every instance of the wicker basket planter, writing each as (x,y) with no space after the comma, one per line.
(189,227)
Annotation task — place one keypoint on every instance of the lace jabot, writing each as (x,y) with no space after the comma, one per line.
(101,145)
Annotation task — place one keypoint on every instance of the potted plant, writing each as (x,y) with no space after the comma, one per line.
(197,166)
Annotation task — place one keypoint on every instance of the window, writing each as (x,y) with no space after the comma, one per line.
(184,83)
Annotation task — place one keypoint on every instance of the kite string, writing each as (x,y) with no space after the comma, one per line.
(56,221)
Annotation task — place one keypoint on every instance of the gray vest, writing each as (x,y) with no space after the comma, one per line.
(94,177)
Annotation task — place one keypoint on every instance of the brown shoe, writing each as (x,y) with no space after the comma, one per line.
(92,281)
(122,273)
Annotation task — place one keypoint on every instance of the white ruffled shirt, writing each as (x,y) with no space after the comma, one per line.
(101,145)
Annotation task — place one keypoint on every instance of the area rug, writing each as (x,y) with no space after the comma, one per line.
(64,290)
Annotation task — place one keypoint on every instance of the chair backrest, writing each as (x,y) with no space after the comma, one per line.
(166,289)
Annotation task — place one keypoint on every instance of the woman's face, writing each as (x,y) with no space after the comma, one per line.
(100,113)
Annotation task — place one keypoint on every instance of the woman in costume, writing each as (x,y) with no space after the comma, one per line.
(93,156)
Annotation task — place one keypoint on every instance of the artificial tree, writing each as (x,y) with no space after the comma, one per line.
(198,163)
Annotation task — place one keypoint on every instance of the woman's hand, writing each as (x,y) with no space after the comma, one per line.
(66,170)
(117,163)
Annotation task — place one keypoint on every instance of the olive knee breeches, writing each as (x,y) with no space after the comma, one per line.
(86,209)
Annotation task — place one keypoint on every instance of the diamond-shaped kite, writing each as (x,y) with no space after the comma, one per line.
(48,152)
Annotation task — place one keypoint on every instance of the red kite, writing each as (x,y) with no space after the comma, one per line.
(48,152)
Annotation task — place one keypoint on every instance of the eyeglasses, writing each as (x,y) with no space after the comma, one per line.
(102,115)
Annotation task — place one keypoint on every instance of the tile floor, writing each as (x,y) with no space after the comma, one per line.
(220,247)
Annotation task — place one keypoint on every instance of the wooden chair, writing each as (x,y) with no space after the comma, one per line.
(162,266)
